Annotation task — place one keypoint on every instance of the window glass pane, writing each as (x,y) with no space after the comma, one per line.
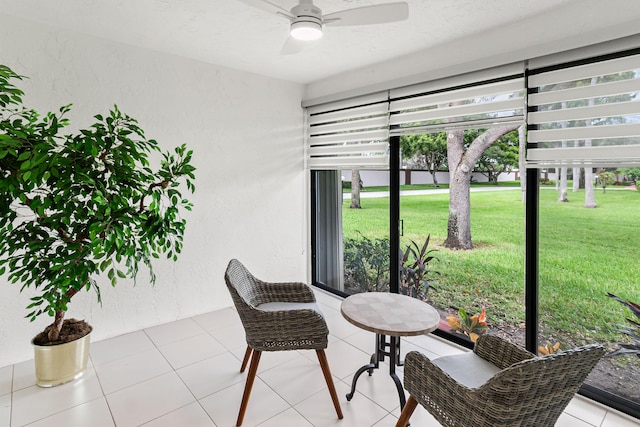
(352,230)
(365,215)
(588,248)
(484,284)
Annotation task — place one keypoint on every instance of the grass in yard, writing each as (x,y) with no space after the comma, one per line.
(584,253)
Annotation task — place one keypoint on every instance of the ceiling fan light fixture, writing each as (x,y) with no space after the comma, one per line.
(306,30)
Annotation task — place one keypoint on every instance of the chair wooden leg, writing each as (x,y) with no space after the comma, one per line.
(247,355)
(324,364)
(251,376)
(407,411)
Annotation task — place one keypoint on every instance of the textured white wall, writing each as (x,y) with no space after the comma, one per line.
(246,133)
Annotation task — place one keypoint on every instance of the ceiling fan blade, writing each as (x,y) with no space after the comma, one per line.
(267,6)
(376,14)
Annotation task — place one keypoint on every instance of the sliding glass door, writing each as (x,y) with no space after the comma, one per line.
(351,230)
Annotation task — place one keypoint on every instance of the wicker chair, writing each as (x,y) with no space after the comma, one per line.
(277,317)
(497,385)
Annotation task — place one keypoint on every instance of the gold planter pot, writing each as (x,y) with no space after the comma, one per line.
(59,364)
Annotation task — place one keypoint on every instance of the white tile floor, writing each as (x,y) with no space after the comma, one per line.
(186,373)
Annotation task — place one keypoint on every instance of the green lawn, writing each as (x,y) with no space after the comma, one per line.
(584,253)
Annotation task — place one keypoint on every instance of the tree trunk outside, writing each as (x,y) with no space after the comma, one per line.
(493,178)
(355,189)
(459,223)
(521,164)
(576,180)
(589,189)
(576,173)
(461,163)
(589,184)
(433,170)
(563,197)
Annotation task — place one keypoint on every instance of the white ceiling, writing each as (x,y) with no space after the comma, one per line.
(234,34)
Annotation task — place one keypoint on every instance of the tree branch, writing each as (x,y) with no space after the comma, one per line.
(163,184)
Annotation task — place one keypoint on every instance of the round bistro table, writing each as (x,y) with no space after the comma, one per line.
(390,316)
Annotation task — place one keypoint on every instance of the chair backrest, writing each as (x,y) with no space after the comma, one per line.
(242,284)
(244,292)
(543,386)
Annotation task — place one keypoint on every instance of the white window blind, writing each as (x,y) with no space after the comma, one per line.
(349,134)
(586,115)
(474,106)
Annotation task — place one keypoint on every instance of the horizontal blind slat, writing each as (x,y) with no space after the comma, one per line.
(369,162)
(587,71)
(461,111)
(353,113)
(585,113)
(348,149)
(348,103)
(348,126)
(585,92)
(508,86)
(601,156)
(591,132)
(365,136)
(443,127)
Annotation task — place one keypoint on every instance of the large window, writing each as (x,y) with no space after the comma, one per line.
(540,279)
(584,136)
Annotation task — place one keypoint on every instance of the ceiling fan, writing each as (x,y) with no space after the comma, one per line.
(307,21)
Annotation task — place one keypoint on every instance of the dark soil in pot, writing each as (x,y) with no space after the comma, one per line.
(72,330)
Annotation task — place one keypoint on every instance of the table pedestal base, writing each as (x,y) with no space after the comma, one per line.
(384,347)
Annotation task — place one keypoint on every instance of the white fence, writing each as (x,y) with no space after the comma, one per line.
(371,178)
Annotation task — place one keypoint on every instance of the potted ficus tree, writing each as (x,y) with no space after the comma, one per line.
(75,206)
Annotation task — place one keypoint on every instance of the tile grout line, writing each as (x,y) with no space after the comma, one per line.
(104,395)
(175,371)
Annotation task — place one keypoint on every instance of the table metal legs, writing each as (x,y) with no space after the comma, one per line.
(384,347)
